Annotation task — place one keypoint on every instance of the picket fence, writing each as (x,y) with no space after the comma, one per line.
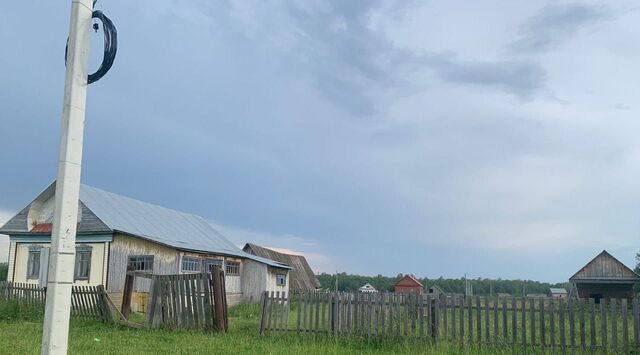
(558,324)
(87,302)
(187,301)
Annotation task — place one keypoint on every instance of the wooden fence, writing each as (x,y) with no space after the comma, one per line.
(506,321)
(87,302)
(186,301)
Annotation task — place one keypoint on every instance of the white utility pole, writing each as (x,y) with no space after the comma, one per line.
(55,334)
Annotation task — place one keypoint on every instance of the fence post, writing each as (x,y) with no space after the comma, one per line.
(219,298)
(127,293)
(433,319)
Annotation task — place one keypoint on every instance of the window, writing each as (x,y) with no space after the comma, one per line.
(141,262)
(281,279)
(232,268)
(191,264)
(209,263)
(33,263)
(83,262)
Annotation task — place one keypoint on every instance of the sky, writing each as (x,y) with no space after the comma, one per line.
(492,139)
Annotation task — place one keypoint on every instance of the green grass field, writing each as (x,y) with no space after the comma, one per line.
(20,333)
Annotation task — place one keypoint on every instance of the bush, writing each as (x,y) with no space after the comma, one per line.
(4,270)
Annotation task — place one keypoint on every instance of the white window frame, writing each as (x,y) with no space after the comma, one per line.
(232,265)
(80,250)
(284,279)
(193,263)
(141,260)
(33,260)
(209,262)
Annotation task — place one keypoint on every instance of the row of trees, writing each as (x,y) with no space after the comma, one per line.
(350,282)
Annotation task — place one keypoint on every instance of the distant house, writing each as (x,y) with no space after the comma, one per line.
(558,293)
(115,232)
(409,284)
(605,277)
(301,277)
(367,288)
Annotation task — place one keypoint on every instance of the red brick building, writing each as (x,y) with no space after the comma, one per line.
(409,284)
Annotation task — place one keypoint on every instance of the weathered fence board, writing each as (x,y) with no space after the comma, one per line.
(530,322)
(87,302)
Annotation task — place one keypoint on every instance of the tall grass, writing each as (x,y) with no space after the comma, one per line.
(4,270)
(20,311)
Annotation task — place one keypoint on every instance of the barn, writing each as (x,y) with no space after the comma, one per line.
(301,276)
(115,232)
(409,284)
(605,277)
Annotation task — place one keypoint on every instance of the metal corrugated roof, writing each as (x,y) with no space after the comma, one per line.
(160,224)
(557,290)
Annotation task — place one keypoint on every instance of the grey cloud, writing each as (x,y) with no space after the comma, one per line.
(554,24)
(522,79)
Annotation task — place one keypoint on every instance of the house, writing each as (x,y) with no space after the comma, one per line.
(367,288)
(558,293)
(605,277)
(409,284)
(301,276)
(116,232)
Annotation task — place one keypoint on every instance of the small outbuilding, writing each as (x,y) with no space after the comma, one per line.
(605,277)
(367,288)
(435,290)
(558,293)
(301,276)
(409,284)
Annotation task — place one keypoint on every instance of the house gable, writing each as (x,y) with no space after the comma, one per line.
(408,281)
(605,267)
(37,217)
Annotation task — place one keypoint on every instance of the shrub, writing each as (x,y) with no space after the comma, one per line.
(4,270)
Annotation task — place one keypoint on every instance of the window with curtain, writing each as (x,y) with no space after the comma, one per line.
(33,263)
(83,262)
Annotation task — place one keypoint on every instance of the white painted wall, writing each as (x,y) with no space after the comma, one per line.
(96,276)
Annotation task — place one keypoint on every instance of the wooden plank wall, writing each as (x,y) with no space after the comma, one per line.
(87,302)
(491,321)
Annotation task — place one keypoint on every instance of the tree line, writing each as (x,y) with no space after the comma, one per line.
(481,286)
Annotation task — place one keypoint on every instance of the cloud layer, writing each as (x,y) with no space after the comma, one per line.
(374,136)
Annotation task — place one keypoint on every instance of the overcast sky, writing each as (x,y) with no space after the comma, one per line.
(497,139)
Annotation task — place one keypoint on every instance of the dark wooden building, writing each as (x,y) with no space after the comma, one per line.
(409,284)
(605,277)
(301,276)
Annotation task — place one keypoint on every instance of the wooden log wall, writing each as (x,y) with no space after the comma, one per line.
(557,324)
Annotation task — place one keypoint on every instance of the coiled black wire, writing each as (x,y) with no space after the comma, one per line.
(110,47)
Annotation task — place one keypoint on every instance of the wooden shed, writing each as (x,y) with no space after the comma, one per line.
(301,276)
(605,277)
(409,284)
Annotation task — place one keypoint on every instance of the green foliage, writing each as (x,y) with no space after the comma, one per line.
(4,269)
(14,310)
(349,282)
(244,311)
(638,262)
